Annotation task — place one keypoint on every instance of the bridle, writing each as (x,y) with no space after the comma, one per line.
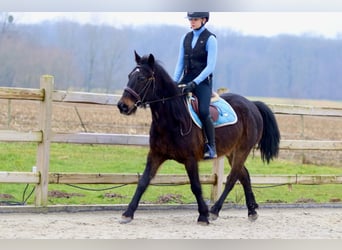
(140,97)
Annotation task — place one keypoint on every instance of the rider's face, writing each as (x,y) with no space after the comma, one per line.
(196,23)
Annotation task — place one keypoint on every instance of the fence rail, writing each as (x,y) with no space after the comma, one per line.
(175,179)
(44,136)
(143,140)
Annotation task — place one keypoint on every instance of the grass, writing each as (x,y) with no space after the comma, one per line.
(129,159)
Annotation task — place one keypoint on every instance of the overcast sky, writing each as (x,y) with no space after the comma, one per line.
(327,24)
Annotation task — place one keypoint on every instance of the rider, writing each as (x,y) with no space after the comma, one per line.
(196,63)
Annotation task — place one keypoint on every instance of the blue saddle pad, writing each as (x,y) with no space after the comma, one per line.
(227,115)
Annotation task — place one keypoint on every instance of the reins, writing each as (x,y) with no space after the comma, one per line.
(164,99)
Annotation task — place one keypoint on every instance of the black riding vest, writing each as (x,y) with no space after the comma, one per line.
(195,59)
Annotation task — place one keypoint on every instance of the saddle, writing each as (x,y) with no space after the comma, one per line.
(221,111)
(214,112)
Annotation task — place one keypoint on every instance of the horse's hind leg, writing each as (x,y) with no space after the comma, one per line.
(231,180)
(192,171)
(251,204)
(238,172)
(236,160)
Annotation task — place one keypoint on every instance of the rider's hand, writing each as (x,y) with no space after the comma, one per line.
(189,87)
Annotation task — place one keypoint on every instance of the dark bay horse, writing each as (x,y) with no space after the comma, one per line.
(174,136)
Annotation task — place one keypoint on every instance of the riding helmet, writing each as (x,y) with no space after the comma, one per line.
(198,15)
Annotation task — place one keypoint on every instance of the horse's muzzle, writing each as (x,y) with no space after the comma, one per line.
(122,107)
(125,109)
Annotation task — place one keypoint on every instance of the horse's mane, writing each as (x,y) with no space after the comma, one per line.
(167,87)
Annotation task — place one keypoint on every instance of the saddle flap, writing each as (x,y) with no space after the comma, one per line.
(212,108)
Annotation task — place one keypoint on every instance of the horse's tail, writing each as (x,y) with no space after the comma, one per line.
(269,142)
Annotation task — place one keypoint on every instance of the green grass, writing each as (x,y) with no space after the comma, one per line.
(129,159)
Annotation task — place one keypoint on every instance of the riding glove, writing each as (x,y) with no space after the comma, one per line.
(189,87)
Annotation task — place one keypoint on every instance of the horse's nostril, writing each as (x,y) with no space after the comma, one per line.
(123,108)
(120,106)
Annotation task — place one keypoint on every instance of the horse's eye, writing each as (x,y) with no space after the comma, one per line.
(141,78)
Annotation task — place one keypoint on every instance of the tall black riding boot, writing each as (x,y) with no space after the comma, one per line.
(209,130)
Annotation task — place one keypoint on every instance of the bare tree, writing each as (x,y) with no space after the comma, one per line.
(111,56)
(7,21)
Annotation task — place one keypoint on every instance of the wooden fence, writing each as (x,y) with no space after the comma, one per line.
(44,137)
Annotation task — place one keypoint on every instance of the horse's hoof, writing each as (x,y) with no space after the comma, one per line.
(125,220)
(203,223)
(213,217)
(203,220)
(253,217)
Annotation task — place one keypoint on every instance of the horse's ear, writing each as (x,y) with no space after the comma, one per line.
(151,60)
(137,57)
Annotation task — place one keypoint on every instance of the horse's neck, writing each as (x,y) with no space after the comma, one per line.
(172,113)
(160,113)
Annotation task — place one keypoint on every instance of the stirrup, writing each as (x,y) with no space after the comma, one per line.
(209,152)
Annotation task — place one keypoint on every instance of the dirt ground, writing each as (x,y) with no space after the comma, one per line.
(273,223)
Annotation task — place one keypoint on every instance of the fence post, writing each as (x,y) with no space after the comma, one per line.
(43,153)
(302,135)
(9,113)
(218,171)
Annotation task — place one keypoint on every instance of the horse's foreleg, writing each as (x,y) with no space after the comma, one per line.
(250,199)
(149,172)
(192,170)
(144,181)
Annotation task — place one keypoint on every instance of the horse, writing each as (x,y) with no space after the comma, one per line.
(173,136)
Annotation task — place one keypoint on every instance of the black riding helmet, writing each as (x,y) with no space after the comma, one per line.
(198,15)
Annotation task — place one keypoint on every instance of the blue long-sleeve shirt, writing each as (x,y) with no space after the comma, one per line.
(211,48)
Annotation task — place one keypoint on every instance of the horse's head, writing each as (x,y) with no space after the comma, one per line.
(139,89)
